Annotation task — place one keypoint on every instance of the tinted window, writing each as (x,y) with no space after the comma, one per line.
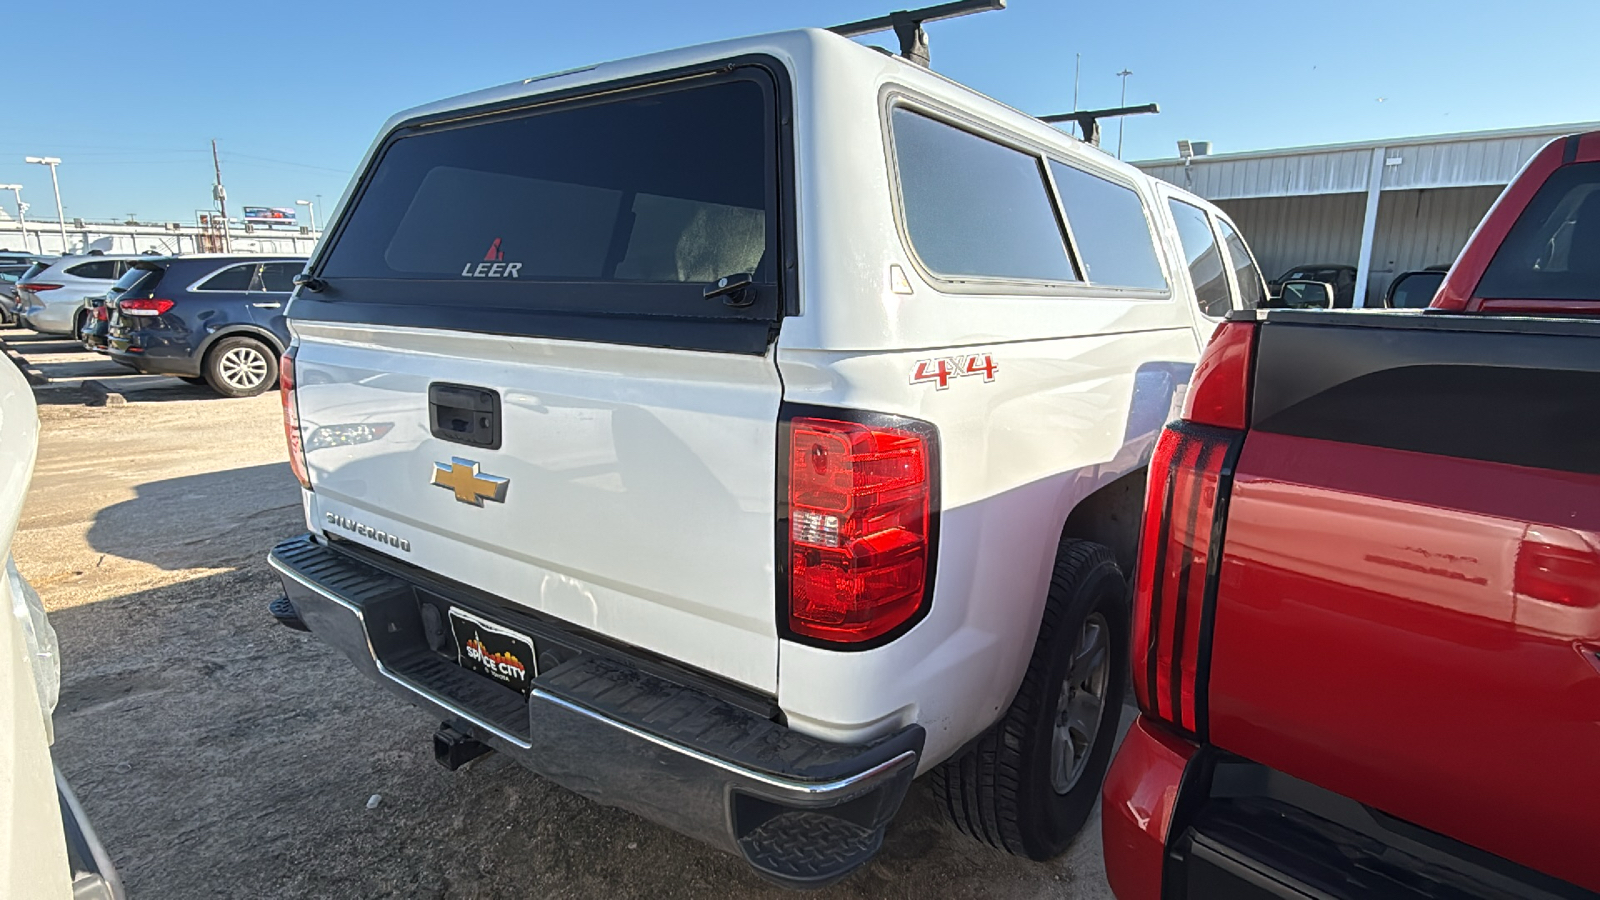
(278,277)
(1553,250)
(34,270)
(233,278)
(100,268)
(1110,229)
(1252,291)
(1415,290)
(1203,258)
(136,281)
(975,208)
(664,188)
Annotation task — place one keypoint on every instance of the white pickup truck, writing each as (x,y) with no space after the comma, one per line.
(733,434)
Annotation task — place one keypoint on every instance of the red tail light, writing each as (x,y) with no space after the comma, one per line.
(101,315)
(1180,547)
(291,417)
(861,527)
(38,287)
(144,307)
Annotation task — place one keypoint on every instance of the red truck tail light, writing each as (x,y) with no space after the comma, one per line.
(291,418)
(859,547)
(148,307)
(1180,547)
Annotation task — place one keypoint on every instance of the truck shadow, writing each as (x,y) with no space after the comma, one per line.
(180,523)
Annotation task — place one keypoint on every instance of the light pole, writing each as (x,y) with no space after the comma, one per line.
(1122,119)
(311,208)
(22,213)
(61,215)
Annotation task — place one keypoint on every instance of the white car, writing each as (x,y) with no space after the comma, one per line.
(54,300)
(735,433)
(49,850)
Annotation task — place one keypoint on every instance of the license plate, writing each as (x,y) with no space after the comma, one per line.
(493,651)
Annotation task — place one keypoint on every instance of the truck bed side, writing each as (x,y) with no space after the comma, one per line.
(1409,607)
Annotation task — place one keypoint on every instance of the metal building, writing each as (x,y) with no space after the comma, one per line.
(1385,207)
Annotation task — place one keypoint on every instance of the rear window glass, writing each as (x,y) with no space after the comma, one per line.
(135,279)
(1251,288)
(1416,290)
(1553,250)
(669,187)
(1204,259)
(233,278)
(100,268)
(1110,229)
(975,208)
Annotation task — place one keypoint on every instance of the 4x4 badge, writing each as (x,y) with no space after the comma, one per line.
(470,485)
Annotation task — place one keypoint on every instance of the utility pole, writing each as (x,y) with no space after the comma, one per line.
(1077,75)
(221,195)
(1120,123)
(22,214)
(61,215)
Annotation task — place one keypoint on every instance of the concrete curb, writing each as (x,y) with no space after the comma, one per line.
(100,395)
(33,375)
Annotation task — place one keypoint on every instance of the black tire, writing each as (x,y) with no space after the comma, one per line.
(1005,790)
(240,367)
(79,322)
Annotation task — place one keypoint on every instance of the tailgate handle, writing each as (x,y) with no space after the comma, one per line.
(463,414)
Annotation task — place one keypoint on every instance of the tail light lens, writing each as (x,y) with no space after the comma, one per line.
(100,314)
(144,307)
(291,417)
(1180,547)
(861,527)
(38,287)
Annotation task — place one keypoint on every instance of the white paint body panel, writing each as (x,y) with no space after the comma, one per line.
(641,502)
(33,851)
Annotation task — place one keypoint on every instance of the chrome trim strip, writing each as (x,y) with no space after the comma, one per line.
(805,789)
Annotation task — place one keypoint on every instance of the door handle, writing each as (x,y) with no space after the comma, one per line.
(266,305)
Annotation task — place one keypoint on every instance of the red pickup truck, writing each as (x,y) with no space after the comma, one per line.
(1366,635)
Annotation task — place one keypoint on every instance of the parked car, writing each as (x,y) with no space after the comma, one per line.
(1366,642)
(738,481)
(15,257)
(1414,290)
(53,298)
(50,848)
(1343,279)
(11,300)
(209,319)
(10,275)
(97,324)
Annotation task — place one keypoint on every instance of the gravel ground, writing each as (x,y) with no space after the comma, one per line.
(219,754)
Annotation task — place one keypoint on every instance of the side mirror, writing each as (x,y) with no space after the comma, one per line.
(1305,295)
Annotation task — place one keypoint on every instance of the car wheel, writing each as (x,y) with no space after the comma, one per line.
(240,367)
(1028,785)
(79,323)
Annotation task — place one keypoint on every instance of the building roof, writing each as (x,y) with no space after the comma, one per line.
(1468,159)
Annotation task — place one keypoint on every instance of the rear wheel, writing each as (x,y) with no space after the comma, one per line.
(1028,785)
(240,367)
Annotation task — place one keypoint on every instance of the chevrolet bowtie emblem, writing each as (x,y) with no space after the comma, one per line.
(470,485)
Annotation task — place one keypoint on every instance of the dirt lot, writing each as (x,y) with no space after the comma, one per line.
(219,754)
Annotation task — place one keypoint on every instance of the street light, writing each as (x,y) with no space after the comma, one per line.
(22,213)
(310,207)
(61,215)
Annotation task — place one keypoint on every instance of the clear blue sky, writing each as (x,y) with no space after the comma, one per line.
(129,95)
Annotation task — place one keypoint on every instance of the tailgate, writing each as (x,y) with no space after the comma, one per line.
(1409,609)
(519,370)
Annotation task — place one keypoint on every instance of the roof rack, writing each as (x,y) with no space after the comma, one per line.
(907,25)
(1089,119)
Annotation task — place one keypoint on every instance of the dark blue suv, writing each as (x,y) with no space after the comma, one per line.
(216,320)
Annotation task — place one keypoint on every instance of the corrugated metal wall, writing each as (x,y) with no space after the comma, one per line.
(1291,231)
(1416,229)
(1459,164)
(1269,176)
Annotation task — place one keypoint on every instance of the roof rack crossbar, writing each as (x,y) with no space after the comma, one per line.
(1089,119)
(907,24)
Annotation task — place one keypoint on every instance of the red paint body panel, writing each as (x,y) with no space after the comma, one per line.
(1136,808)
(1418,633)
(1458,291)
